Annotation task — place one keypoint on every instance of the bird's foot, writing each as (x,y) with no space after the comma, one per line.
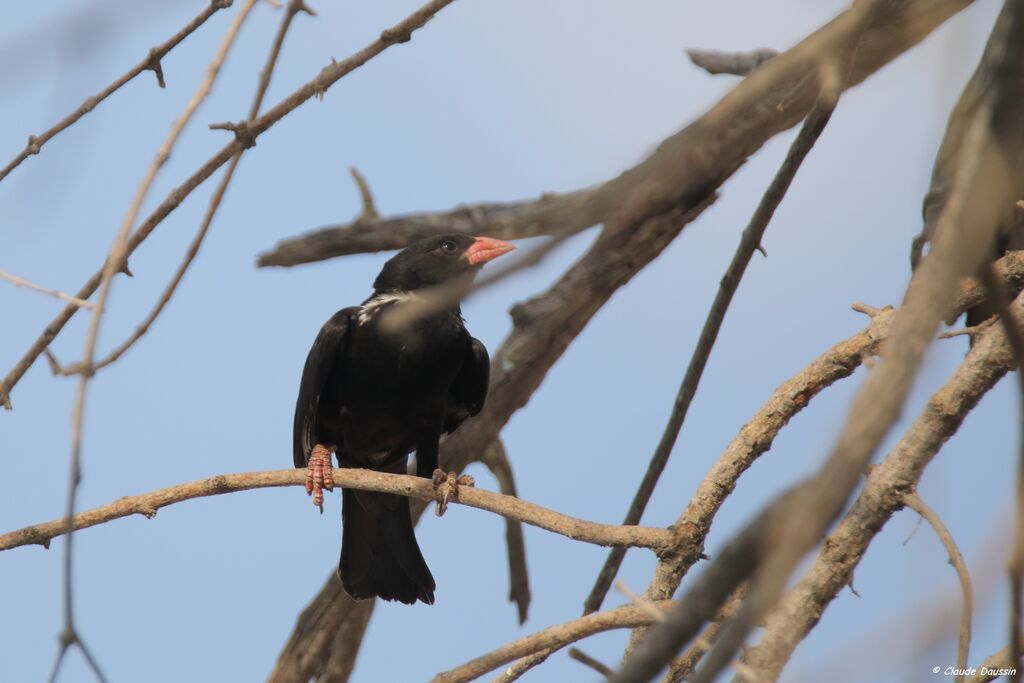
(446,487)
(319,475)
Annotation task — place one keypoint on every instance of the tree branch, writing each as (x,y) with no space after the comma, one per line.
(685,168)
(151,63)
(496,460)
(22,282)
(913,501)
(883,495)
(750,241)
(328,76)
(414,487)
(555,637)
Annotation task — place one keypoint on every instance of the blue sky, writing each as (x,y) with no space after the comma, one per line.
(491,101)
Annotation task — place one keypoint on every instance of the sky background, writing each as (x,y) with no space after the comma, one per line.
(491,101)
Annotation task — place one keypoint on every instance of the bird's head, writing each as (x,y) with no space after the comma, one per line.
(451,259)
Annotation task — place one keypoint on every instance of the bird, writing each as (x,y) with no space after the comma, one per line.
(373,391)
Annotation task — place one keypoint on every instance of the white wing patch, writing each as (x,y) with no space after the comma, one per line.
(374,305)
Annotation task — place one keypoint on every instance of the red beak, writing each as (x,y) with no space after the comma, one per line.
(486,249)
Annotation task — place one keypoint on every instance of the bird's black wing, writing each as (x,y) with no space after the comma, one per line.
(329,345)
(468,391)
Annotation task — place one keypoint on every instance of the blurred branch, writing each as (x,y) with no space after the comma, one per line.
(69,636)
(998,665)
(750,241)
(797,520)
(585,659)
(686,166)
(626,616)
(883,494)
(913,501)
(733,63)
(496,460)
(246,136)
(22,282)
(150,63)
(414,487)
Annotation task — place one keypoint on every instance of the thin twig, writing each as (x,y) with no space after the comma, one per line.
(585,659)
(418,488)
(294,7)
(554,637)
(115,260)
(151,62)
(328,76)
(22,282)
(496,460)
(749,242)
(913,501)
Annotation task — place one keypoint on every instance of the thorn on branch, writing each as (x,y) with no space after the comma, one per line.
(154,66)
(242,130)
(869,311)
(296,6)
(369,212)
(595,664)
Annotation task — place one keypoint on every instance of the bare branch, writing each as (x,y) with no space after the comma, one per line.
(686,167)
(749,243)
(496,460)
(22,282)
(626,616)
(294,7)
(151,62)
(882,495)
(913,501)
(998,665)
(414,487)
(115,261)
(329,75)
(585,659)
(734,63)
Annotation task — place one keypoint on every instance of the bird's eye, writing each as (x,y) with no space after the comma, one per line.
(449,246)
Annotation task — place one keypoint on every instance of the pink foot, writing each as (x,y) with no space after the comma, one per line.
(319,475)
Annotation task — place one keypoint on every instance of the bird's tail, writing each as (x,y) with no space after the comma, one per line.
(379,553)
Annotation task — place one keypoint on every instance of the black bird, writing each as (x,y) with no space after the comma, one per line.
(373,392)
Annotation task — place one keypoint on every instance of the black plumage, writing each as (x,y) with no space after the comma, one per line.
(373,394)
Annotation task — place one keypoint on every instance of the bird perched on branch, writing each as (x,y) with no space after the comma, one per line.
(384,379)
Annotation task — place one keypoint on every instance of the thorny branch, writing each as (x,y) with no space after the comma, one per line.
(328,76)
(115,260)
(151,62)
(294,7)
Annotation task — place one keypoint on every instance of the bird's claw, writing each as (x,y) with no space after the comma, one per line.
(319,475)
(446,487)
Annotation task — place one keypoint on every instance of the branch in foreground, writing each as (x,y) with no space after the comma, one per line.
(882,495)
(151,62)
(248,132)
(418,488)
(22,282)
(686,166)
(750,241)
(626,616)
